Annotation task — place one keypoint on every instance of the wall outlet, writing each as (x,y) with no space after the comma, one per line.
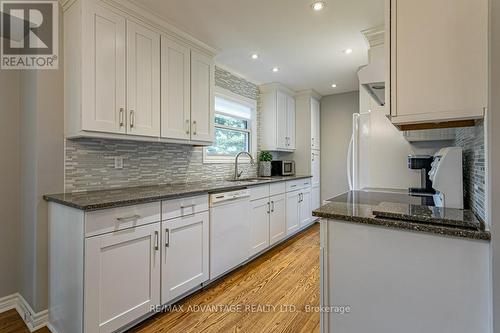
(118,162)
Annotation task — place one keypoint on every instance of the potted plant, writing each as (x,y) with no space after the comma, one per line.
(265,159)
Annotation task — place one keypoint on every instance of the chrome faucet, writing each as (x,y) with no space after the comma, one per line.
(236,173)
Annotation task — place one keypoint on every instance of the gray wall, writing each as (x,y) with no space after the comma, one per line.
(10,179)
(90,162)
(42,171)
(336,130)
(494,151)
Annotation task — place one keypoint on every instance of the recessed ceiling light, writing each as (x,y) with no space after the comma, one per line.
(275,69)
(347,51)
(334,85)
(318,5)
(255,56)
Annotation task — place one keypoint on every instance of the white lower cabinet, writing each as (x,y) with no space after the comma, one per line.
(305,212)
(315,197)
(122,277)
(292,211)
(259,225)
(185,257)
(277,220)
(298,209)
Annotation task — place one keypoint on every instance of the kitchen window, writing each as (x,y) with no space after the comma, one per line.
(234,127)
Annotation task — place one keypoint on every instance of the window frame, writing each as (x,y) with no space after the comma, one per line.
(251,127)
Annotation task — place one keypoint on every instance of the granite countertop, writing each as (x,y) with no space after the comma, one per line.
(96,200)
(397,209)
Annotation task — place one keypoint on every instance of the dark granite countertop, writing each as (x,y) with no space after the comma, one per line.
(96,200)
(397,209)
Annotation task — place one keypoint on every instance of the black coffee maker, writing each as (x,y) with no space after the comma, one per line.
(422,163)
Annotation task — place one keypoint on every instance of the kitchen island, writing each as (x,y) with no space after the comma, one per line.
(416,269)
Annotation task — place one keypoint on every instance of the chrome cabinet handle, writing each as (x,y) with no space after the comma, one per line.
(187,126)
(121,117)
(132,118)
(272,206)
(157,241)
(188,206)
(313,156)
(194,127)
(167,238)
(268,207)
(128,218)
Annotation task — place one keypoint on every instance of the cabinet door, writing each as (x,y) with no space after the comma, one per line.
(315,124)
(175,90)
(103,71)
(259,225)
(305,213)
(277,222)
(143,80)
(315,198)
(122,277)
(292,212)
(185,244)
(315,167)
(290,119)
(202,97)
(439,66)
(281,120)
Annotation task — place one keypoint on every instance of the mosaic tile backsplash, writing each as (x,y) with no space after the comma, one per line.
(89,163)
(471,139)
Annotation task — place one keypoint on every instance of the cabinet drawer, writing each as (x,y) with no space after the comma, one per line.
(259,192)
(293,185)
(277,188)
(171,209)
(114,219)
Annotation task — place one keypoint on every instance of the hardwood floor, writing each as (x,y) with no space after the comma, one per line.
(287,278)
(270,294)
(11,322)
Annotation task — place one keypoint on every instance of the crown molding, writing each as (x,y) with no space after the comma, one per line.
(374,36)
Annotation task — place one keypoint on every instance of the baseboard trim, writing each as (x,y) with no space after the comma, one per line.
(33,320)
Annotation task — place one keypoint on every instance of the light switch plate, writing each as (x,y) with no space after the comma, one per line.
(118,162)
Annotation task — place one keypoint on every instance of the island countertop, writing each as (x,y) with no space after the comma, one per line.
(112,198)
(399,210)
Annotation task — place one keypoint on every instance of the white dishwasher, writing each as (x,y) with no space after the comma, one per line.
(229,230)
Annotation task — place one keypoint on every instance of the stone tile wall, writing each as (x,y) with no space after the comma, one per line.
(471,139)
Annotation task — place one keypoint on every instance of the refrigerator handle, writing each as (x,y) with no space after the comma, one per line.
(349,163)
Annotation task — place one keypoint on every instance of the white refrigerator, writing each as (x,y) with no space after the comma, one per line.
(378,152)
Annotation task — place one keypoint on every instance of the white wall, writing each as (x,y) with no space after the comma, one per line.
(9,180)
(494,154)
(336,129)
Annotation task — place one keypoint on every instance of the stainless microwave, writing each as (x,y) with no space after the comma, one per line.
(282,168)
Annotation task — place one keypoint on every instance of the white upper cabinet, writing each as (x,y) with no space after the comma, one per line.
(103,70)
(315,124)
(125,79)
(202,97)
(439,60)
(290,118)
(281,121)
(175,90)
(278,118)
(143,80)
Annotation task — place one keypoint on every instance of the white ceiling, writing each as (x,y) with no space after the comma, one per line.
(306,45)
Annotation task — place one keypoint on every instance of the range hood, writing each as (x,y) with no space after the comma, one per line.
(372,78)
